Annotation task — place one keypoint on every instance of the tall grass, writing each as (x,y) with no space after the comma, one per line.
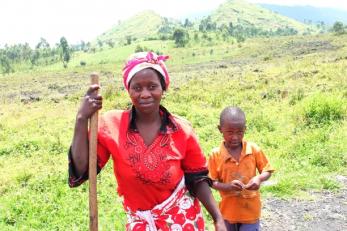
(295,106)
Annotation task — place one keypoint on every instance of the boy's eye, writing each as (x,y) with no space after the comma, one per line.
(235,132)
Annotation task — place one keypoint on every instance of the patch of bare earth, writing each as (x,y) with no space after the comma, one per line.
(327,211)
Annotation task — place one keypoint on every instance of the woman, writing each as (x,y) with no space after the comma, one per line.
(158,163)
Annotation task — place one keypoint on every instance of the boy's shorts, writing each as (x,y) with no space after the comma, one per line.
(242,227)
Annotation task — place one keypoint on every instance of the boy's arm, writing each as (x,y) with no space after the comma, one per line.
(264,168)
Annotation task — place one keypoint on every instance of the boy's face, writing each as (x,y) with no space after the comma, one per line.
(233,132)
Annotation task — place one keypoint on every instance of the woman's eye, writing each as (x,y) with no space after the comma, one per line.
(153,86)
(136,88)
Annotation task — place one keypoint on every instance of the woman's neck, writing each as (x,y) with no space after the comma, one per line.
(148,117)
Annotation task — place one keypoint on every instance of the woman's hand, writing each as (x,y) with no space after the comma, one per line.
(219,225)
(90,104)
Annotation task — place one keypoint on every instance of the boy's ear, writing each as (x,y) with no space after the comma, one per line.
(219,128)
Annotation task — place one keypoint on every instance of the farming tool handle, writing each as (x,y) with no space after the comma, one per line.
(93,203)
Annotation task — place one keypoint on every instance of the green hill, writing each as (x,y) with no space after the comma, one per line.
(143,25)
(240,12)
(150,25)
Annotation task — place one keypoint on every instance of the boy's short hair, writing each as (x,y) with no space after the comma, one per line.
(233,113)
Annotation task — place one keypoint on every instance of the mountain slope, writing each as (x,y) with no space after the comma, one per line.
(142,25)
(306,13)
(240,12)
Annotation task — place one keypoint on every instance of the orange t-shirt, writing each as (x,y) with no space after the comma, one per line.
(244,206)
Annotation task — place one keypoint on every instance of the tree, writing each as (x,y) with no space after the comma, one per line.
(43,49)
(34,57)
(181,37)
(65,51)
(42,44)
(82,45)
(5,64)
(231,28)
(100,43)
(207,25)
(110,43)
(338,28)
(128,38)
(187,23)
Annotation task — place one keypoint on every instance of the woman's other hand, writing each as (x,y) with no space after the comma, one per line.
(219,225)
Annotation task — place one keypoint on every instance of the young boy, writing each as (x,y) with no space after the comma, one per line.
(232,167)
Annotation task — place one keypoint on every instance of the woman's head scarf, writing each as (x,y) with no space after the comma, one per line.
(143,60)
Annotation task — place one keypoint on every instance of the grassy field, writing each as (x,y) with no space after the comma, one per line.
(293,90)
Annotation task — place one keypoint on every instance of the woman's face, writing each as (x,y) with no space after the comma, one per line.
(146,91)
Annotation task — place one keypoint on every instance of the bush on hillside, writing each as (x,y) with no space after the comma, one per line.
(338,28)
(297,96)
(181,37)
(260,123)
(138,49)
(322,109)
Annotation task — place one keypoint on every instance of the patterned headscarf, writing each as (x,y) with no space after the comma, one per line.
(143,60)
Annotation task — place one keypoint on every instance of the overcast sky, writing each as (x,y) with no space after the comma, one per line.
(28,20)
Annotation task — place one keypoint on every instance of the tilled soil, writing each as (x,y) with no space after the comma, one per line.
(327,211)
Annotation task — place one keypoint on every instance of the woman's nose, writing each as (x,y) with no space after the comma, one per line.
(145,93)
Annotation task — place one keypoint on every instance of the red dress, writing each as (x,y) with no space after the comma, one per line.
(146,175)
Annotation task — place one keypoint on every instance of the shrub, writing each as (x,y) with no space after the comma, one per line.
(109,91)
(297,96)
(138,48)
(322,109)
(260,123)
(83,63)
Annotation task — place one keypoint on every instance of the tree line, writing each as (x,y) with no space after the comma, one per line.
(42,54)
(225,31)
(207,30)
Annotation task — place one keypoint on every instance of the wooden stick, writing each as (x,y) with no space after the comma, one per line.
(93,203)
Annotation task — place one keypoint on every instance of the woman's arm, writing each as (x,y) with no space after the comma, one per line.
(203,193)
(79,148)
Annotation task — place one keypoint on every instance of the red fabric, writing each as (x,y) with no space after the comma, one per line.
(155,61)
(179,212)
(146,176)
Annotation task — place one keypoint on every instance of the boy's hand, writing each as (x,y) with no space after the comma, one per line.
(253,184)
(236,185)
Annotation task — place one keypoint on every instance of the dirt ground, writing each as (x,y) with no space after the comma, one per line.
(327,211)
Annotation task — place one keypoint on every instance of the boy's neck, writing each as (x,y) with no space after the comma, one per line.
(235,152)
